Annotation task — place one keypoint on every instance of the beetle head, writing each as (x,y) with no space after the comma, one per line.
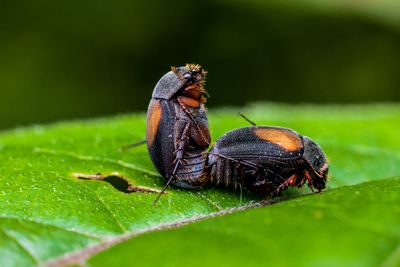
(176,81)
(318,163)
(191,73)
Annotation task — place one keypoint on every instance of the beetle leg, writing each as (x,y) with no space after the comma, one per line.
(202,130)
(178,159)
(255,167)
(260,167)
(292,180)
(179,152)
(283,185)
(238,161)
(289,182)
(241,193)
(126,147)
(254,171)
(300,182)
(309,180)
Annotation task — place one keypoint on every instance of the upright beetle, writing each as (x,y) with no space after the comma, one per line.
(266,160)
(177,133)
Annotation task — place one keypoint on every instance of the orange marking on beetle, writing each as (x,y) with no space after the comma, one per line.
(188,101)
(194,91)
(153,120)
(281,137)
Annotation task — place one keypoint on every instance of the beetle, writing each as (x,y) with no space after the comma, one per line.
(266,160)
(177,133)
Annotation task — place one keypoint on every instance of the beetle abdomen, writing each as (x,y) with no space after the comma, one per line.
(223,171)
(191,174)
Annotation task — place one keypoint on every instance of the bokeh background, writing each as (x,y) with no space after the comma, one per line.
(80,59)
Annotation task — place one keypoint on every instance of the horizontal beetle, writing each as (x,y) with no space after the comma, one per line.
(266,160)
(177,132)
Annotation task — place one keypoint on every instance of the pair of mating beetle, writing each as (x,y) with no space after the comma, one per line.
(264,160)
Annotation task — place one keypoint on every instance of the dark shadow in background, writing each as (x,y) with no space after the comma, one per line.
(82,59)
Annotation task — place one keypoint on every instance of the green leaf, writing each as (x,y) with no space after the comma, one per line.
(350,226)
(46,213)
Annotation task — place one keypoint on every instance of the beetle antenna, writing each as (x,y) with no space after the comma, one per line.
(247,119)
(132,145)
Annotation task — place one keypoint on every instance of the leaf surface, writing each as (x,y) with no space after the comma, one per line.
(46,213)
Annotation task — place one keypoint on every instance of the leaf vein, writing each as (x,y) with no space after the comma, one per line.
(210,201)
(118,223)
(19,244)
(92,158)
(81,255)
(52,225)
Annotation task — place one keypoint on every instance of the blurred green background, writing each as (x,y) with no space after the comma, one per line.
(75,59)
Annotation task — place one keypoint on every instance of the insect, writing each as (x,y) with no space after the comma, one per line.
(177,134)
(263,159)
(266,160)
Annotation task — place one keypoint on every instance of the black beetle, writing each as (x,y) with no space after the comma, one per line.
(177,132)
(266,160)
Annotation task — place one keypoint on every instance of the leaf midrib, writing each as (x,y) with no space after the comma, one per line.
(82,255)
